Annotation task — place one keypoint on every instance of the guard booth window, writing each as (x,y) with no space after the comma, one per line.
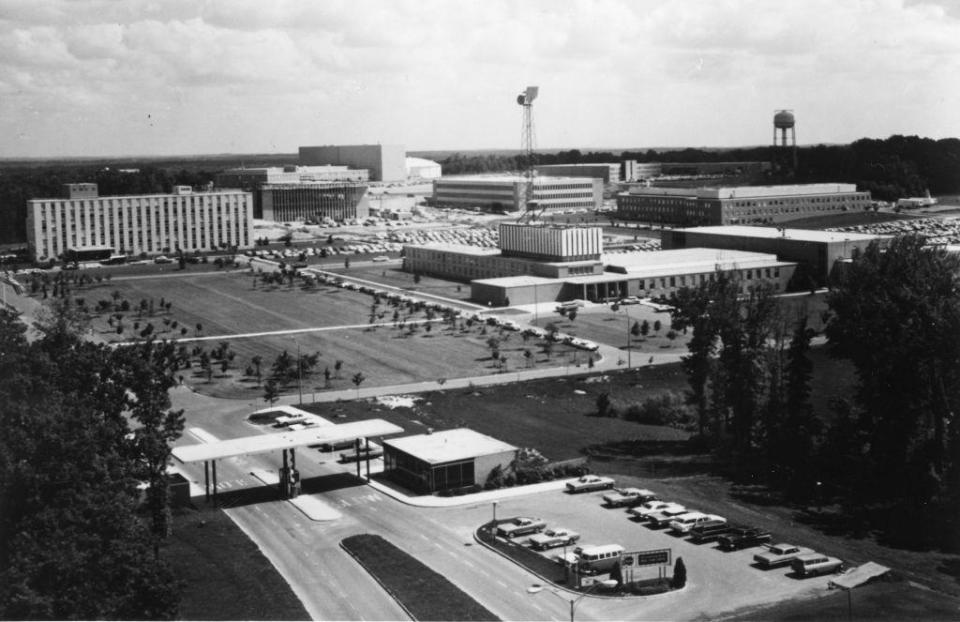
(454,475)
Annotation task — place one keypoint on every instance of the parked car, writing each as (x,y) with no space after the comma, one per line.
(621,497)
(779,554)
(587,483)
(743,537)
(520,526)
(813,564)
(379,258)
(683,523)
(629,300)
(552,538)
(644,510)
(659,520)
(710,530)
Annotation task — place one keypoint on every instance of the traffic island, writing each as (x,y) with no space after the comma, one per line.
(562,573)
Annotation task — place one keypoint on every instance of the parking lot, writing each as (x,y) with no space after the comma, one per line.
(717,581)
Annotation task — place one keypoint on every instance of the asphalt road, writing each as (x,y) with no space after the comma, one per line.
(333,586)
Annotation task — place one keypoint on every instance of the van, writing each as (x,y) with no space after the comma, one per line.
(597,559)
(813,564)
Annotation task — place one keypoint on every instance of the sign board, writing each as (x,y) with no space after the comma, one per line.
(658,557)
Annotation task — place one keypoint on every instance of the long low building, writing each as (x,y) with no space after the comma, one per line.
(507,193)
(817,251)
(312,201)
(139,224)
(738,205)
(609,172)
(642,274)
(465,263)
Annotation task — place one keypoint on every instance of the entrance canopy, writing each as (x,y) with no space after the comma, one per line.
(265,443)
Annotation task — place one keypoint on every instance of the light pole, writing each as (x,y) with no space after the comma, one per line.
(299,373)
(494,514)
(575,601)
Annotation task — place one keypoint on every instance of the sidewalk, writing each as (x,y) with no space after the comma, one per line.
(487,496)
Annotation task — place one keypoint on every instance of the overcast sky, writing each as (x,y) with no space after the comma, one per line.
(161,77)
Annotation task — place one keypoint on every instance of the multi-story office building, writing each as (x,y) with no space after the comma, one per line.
(311,201)
(738,205)
(132,225)
(507,193)
(385,162)
(551,242)
(609,172)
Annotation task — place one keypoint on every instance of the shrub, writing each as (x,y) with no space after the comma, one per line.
(667,408)
(679,574)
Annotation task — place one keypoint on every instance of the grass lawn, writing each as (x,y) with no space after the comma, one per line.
(228,303)
(552,415)
(225,575)
(603,325)
(392,275)
(426,594)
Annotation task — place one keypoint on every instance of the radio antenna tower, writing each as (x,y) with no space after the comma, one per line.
(525,99)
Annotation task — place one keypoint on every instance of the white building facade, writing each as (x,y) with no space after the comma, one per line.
(134,225)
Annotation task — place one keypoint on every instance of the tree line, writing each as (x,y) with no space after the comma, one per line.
(895,441)
(84,425)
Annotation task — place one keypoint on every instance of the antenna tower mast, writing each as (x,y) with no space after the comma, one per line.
(525,99)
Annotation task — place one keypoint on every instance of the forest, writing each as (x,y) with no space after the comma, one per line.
(889,454)
(85,426)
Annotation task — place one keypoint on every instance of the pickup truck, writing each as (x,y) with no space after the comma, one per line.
(589,482)
(552,538)
(643,511)
(659,520)
(628,497)
(779,554)
(520,526)
(743,537)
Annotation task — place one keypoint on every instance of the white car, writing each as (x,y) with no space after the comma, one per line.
(552,538)
(683,523)
(381,258)
(590,482)
(780,554)
(644,510)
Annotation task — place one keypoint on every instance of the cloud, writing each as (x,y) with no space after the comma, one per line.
(435,73)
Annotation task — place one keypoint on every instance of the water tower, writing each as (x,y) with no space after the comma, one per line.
(785,150)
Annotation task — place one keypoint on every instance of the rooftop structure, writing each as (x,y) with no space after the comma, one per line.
(449,445)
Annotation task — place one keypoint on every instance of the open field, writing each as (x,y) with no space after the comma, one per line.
(393,275)
(602,325)
(228,303)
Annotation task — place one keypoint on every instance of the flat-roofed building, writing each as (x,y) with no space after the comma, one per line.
(817,251)
(464,263)
(251,178)
(422,168)
(738,205)
(609,172)
(445,460)
(639,171)
(642,274)
(507,193)
(312,201)
(551,242)
(385,162)
(132,225)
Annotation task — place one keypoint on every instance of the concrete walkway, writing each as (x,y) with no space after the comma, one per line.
(487,496)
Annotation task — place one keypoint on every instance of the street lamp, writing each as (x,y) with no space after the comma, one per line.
(494,514)
(576,601)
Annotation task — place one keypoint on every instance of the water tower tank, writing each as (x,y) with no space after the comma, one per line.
(784,119)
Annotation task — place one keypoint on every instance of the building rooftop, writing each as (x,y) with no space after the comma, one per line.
(805,235)
(449,445)
(687,261)
(517,281)
(264,443)
(145,196)
(502,179)
(465,249)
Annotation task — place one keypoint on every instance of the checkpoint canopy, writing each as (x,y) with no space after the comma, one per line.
(265,443)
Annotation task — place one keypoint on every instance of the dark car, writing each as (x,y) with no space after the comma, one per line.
(710,530)
(743,537)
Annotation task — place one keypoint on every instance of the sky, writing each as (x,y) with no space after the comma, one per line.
(171,77)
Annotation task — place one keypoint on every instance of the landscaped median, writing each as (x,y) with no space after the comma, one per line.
(423,593)
(551,569)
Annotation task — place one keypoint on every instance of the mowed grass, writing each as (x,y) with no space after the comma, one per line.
(553,415)
(602,325)
(228,303)
(420,590)
(394,276)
